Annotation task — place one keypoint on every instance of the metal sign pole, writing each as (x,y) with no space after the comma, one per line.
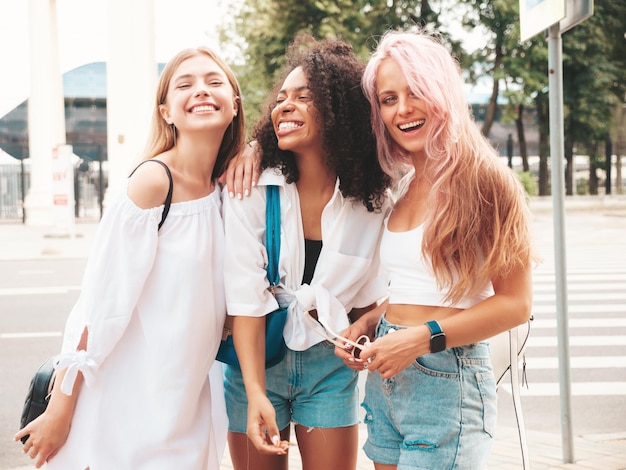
(555,81)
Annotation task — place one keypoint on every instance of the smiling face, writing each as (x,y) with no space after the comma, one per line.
(405,116)
(199,97)
(294,116)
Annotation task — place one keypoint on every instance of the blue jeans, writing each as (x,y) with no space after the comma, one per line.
(438,414)
(313,388)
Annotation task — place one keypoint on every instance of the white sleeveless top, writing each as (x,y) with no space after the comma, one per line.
(411,278)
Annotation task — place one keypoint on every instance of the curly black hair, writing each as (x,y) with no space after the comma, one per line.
(334,76)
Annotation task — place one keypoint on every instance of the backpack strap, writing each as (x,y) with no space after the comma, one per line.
(168,198)
(515,393)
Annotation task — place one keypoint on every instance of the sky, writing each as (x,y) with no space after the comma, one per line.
(82,29)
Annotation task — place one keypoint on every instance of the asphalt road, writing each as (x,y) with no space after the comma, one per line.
(35,299)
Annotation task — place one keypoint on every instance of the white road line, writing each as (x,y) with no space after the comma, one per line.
(579,389)
(584,296)
(545,287)
(578,308)
(41,334)
(580,323)
(587,275)
(578,362)
(544,341)
(28,272)
(37,290)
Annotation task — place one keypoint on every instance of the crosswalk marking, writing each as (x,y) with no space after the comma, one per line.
(550,309)
(37,290)
(551,389)
(580,323)
(607,340)
(42,334)
(593,286)
(598,295)
(578,362)
(589,273)
(583,296)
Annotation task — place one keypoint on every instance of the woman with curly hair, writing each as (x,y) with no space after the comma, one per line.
(457,247)
(317,146)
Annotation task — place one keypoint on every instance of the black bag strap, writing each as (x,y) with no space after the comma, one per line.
(168,198)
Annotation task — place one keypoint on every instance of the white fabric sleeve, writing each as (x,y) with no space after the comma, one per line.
(245,256)
(122,257)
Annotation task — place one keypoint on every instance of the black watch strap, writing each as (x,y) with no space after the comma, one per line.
(437,337)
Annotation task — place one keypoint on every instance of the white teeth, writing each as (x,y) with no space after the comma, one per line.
(289,125)
(409,125)
(203,109)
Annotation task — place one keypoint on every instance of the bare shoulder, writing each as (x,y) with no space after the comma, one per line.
(148,185)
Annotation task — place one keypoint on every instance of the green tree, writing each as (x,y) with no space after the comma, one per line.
(517,68)
(499,19)
(593,82)
(265,28)
(594,64)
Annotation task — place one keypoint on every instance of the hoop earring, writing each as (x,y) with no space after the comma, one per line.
(173,127)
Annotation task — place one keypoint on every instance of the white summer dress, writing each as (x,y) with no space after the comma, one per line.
(154,304)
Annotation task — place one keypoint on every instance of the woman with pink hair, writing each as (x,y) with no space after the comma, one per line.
(457,249)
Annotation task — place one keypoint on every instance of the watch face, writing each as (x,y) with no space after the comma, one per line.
(437,343)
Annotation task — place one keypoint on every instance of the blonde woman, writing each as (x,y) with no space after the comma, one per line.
(132,390)
(457,248)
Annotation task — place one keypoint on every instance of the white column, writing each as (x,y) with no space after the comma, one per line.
(46,109)
(131,82)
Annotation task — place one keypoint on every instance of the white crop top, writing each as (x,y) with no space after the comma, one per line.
(411,280)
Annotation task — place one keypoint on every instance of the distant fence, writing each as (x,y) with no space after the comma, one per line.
(87,183)
(11,203)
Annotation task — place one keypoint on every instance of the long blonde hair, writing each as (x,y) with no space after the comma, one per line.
(162,138)
(478,220)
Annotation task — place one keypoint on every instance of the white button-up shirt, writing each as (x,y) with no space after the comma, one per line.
(347,274)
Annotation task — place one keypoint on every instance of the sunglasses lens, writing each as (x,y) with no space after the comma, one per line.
(362,341)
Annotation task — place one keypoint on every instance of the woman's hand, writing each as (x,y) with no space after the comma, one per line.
(242,173)
(345,353)
(47,434)
(397,350)
(262,429)
(365,326)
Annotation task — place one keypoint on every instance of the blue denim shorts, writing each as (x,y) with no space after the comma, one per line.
(439,413)
(313,388)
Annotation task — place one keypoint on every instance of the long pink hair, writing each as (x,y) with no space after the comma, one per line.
(478,221)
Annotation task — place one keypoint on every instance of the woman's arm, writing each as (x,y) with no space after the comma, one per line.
(48,432)
(249,338)
(509,307)
(127,236)
(245,258)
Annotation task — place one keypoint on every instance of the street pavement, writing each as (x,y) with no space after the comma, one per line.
(589,221)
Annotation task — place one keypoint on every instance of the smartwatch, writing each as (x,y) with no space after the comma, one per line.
(437,337)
